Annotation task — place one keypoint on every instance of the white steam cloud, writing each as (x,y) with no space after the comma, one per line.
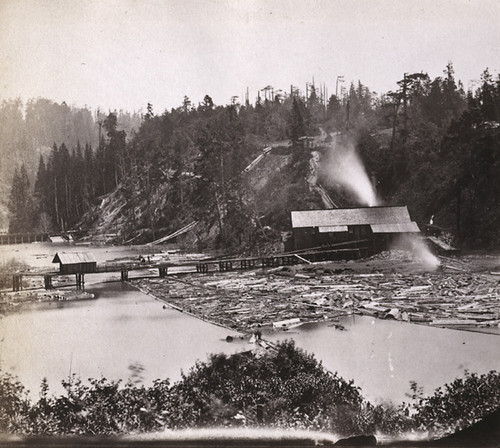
(419,250)
(343,167)
(423,255)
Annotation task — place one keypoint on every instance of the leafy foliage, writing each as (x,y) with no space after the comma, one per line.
(460,403)
(284,389)
(7,268)
(14,404)
(290,385)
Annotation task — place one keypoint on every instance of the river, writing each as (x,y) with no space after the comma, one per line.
(383,356)
(124,328)
(104,337)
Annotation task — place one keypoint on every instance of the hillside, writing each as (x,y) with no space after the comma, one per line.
(238,170)
(270,189)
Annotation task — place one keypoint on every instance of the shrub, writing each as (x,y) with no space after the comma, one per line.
(285,388)
(460,403)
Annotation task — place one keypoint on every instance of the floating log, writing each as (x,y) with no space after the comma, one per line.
(453,322)
(286,323)
(454,268)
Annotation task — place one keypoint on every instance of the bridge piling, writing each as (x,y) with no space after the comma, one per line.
(225,266)
(17,282)
(47,281)
(202,267)
(21,238)
(80,281)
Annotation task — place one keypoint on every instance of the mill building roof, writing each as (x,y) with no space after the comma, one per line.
(393,219)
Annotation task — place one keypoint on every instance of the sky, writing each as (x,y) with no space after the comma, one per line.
(122,54)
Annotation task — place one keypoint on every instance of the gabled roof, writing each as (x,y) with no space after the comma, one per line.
(350,216)
(74,258)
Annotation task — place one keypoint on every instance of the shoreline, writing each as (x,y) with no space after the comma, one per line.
(39,295)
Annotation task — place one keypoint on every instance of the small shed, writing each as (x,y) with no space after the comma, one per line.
(372,228)
(75,263)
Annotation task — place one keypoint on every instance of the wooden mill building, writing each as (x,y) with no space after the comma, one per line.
(370,228)
(75,263)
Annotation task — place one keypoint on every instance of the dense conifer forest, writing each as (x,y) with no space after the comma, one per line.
(429,144)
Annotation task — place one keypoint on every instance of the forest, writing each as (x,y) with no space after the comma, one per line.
(429,144)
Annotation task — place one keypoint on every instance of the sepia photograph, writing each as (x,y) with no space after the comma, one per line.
(251,223)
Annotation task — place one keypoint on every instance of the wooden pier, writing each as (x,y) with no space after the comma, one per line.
(199,266)
(277,260)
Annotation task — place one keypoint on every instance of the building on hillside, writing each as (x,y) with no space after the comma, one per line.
(372,229)
(75,263)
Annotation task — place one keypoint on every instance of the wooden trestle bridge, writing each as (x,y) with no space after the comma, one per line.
(23,238)
(197,266)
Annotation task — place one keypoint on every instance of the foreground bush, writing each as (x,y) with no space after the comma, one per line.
(460,403)
(14,404)
(288,388)
(284,389)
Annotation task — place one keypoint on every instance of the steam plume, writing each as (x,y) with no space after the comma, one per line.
(343,167)
(423,254)
(419,250)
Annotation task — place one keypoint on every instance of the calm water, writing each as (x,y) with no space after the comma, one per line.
(103,337)
(382,356)
(123,327)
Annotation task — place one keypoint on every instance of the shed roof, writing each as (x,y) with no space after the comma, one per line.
(402,227)
(350,216)
(74,258)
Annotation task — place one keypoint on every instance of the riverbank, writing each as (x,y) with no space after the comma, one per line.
(464,293)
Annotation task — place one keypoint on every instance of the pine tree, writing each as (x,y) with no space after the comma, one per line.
(20,203)
(297,125)
(42,198)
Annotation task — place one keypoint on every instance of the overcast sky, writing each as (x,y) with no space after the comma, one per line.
(122,54)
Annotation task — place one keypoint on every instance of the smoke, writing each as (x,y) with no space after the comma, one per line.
(343,167)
